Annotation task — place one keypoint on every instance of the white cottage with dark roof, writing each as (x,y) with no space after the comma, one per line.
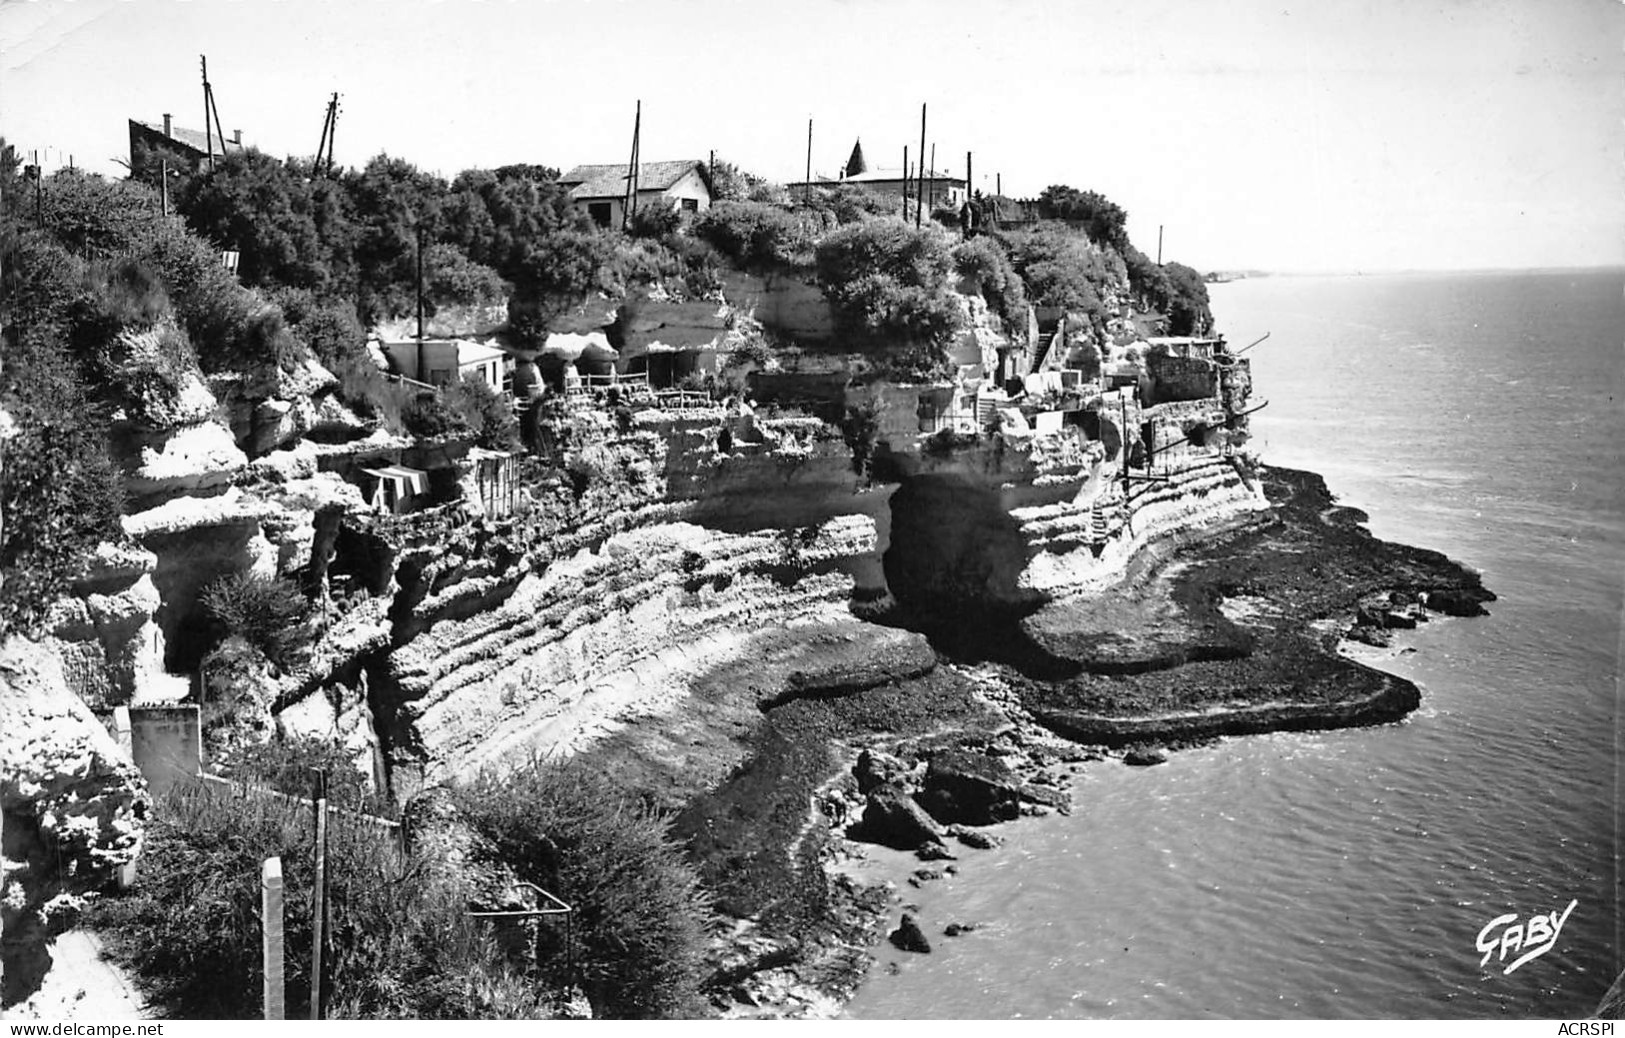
(600,191)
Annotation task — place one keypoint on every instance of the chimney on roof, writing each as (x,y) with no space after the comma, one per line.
(166,124)
(237,138)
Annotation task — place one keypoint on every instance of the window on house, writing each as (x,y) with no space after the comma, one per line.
(599,211)
(691,205)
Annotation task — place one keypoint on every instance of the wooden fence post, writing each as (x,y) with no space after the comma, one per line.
(271,945)
(319,898)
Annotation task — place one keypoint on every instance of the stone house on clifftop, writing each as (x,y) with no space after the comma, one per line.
(148,141)
(600,191)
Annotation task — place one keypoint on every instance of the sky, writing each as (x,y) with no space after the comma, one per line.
(1284,136)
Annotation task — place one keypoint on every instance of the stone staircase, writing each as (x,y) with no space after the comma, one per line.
(1046,340)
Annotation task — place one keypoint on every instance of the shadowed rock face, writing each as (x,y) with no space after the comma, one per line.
(954,548)
(74,808)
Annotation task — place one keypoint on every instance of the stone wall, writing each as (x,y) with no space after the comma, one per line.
(1181,378)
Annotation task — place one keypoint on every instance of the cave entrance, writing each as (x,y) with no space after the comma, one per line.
(955,552)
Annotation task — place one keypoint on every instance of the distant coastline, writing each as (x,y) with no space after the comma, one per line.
(1219,277)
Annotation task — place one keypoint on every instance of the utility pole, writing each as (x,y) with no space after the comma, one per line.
(905,182)
(163,185)
(39,195)
(319,895)
(919,196)
(1159,244)
(333,131)
(631,202)
(208,124)
(420,296)
(998,185)
(933,188)
(330,125)
(806,187)
(321,148)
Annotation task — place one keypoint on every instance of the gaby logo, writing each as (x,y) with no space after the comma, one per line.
(1534,938)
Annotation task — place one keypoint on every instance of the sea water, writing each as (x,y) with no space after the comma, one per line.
(1351,873)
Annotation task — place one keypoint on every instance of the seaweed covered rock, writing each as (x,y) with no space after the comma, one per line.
(875,769)
(891,817)
(909,937)
(970,788)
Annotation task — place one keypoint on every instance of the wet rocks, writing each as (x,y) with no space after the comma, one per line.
(976,838)
(876,769)
(1145,756)
(891,817)
(1460,601)
(970,788)
(1047,796)
(921,877)
(909,937)
(935,850)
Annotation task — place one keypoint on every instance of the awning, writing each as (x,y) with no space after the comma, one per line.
(569,347)
(416,479)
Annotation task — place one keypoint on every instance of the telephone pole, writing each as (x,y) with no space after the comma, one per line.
(919,196)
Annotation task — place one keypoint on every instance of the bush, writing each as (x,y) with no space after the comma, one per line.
(96,218)
(983,261)
(555,273)
(268,613)
(757,236)
(641,916)
(484,411)
(399,942)
(452,278)
(59,491)
(889,284)
(288,766)
(1063,268)
(851,203)
(654,221)
(428,416)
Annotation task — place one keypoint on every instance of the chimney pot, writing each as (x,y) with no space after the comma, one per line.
(166,124)
(237,137)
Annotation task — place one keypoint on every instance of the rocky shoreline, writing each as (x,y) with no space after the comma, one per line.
(1235,635)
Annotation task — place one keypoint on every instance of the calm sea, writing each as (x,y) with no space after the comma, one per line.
(1348,874)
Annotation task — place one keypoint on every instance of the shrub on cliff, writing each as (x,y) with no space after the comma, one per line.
(1062,268)
(484,411)
(983,261)
(1103,220)
(654,221)
(287,765)
(400,944)
(268,613)
(554,273)
(59,491)
(889,284)
(757,236)
(851,203)
(640,915)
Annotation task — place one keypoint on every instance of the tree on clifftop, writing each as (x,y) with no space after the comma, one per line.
(1102,219)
